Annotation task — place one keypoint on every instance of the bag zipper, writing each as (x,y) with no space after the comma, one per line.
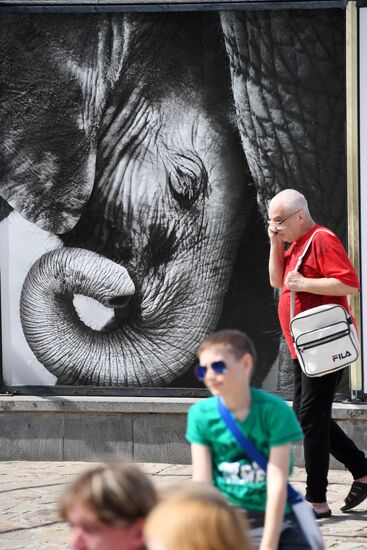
(324,340)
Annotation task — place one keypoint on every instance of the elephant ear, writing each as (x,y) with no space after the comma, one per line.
(47,116)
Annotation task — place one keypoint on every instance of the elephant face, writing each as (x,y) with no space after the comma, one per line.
(144,183)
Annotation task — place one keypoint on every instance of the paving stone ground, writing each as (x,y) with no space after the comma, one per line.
(29,493)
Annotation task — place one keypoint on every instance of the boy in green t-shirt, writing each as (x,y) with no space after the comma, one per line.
(226,362)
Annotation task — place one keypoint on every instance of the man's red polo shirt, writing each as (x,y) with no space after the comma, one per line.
(326,257)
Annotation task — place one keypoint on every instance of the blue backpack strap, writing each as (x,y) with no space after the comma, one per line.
(250,449)
(241,439)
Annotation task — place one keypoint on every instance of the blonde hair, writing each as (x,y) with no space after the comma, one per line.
(194,521)
(118,494)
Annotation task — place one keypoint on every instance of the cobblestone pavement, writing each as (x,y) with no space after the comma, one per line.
(29,492)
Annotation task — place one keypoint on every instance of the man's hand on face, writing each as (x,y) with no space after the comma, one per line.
(295,281)
(274,235)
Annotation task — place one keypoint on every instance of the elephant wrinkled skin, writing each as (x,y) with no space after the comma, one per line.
(128,136)
(145,169)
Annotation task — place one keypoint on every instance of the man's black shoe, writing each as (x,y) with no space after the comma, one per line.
(356,495)
(322,515)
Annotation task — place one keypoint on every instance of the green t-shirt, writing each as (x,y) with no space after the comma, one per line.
(270,423)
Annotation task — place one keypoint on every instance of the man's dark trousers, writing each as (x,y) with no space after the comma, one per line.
(312,402)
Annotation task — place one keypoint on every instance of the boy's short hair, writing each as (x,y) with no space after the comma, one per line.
(238,342)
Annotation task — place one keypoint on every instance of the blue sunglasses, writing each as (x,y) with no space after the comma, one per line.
(219,367)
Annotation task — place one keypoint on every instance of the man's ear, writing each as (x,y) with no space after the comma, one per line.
(302,216)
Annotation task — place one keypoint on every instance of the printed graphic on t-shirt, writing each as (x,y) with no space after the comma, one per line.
(239,474)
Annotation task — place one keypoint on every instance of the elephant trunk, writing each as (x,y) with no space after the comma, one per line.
(53,329)
(149,343)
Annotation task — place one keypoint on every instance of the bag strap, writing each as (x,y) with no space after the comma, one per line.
(300,260)
(250,449)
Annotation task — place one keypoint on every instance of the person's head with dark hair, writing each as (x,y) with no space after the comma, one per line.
(226,358)
(235,340)
(107,506)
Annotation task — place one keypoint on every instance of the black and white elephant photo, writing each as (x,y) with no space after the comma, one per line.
(150,145)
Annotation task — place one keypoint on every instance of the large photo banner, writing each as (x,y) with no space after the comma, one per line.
(138,153)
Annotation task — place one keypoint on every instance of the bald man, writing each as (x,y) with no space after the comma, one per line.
(326,276)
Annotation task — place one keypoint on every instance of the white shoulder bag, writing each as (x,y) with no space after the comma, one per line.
(324,337)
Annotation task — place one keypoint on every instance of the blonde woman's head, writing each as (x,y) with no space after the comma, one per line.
(193,521)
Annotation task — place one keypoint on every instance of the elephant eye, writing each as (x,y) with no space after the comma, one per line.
(188,180)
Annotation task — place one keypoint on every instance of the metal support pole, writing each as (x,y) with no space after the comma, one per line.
(353,171)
